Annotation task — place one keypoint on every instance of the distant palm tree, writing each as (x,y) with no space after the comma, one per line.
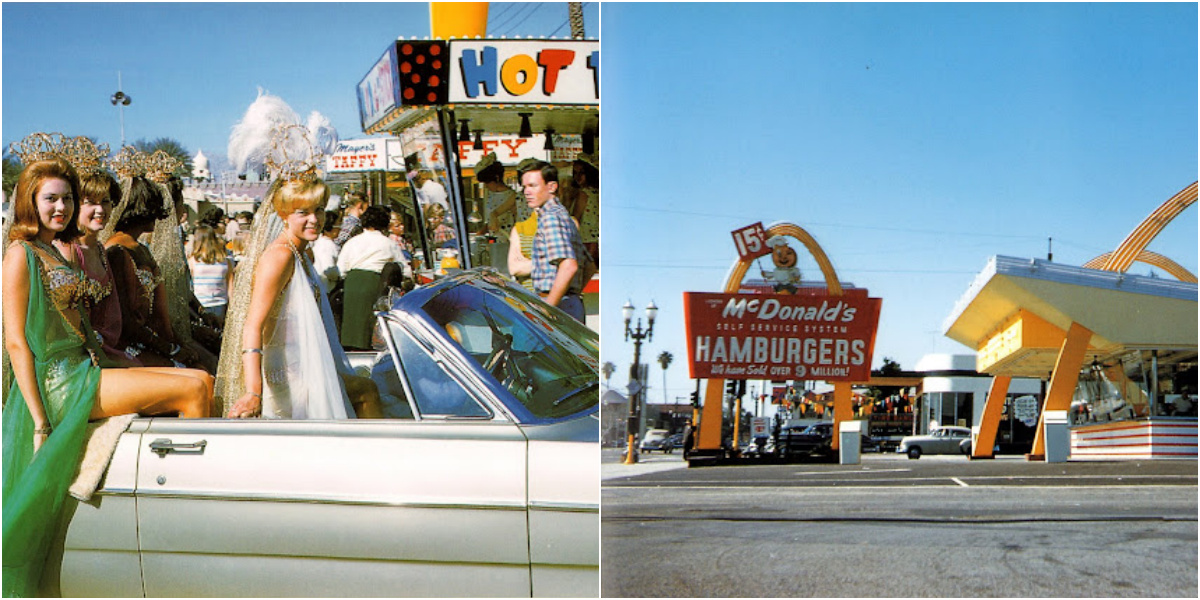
(608,369)
(665,359)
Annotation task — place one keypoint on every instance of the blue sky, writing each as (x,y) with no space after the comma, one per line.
(912,141)
(192,69)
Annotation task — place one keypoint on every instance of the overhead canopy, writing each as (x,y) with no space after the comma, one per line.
(1016,312)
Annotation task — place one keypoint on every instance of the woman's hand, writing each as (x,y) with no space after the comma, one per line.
(38,440)
(247,407)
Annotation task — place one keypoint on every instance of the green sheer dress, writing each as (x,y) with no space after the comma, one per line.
(35,485)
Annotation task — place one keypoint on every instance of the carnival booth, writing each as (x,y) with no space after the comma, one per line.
(455,109)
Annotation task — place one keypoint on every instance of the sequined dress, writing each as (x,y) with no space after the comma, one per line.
(104,307)
(68,375)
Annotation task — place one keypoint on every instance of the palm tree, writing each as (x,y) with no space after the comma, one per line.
(665,359)
(608,369)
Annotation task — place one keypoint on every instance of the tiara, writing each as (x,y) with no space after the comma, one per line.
(129,162)
(86,156)
(293,156)
(160,166)
(40,146)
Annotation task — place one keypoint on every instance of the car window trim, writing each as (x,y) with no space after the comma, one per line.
(412,326)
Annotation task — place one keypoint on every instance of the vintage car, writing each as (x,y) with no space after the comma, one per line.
(942,440)
(483,481)
(656,439)
(815,440)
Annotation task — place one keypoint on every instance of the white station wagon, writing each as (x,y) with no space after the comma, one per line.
(483,481)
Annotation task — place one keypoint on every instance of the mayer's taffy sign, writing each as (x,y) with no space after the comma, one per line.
(780,336)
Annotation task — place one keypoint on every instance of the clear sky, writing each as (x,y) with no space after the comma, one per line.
(912,141)
(192,69)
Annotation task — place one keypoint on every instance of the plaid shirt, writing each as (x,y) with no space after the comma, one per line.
(351,226)
(556,239)
(442,234)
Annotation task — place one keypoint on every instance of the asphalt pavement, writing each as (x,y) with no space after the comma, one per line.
(893,527)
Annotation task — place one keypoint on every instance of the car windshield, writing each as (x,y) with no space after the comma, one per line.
(546,361)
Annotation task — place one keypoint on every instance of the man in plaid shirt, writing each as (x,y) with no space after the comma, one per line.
(557,248)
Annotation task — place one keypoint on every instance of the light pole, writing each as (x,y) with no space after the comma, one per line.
(635,408)
(121,100)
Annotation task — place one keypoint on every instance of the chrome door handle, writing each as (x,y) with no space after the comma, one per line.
(162,446)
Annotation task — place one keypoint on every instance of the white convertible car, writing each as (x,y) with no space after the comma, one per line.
(483,481)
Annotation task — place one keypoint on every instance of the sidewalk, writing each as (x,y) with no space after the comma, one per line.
(611,466)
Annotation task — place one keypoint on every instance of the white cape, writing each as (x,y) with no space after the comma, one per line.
(302,357)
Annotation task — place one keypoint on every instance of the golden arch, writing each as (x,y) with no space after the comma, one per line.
(1131,248)
(709,437)
(831,279)
(1153,259)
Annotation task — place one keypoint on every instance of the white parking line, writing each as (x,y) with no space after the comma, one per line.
(959,481)
(862,472)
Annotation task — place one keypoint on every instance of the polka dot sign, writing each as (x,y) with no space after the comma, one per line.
(423,68)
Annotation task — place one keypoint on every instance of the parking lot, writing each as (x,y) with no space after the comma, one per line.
(890,526)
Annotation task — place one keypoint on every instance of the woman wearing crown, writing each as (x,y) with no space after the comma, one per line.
(281,357)
(99,192)
(146,331)
(59,384)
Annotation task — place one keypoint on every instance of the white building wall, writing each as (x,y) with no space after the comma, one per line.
(978,385)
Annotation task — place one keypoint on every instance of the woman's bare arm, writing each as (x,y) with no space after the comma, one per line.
(274,270)
(16,305)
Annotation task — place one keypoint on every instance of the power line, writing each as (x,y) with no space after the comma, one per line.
(507,7)
(555,32)
(516,14)
(974,234)
(535,7)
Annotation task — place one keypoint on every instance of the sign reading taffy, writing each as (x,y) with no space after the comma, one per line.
(780,336)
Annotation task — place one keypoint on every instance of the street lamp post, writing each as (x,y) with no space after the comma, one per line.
(121,100)
(635,408)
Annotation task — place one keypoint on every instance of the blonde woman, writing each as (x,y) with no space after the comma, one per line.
(211,269)
(292,365)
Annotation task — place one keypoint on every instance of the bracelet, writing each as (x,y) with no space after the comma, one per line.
(43,430)
(256,395)
(175,348)
(251,350)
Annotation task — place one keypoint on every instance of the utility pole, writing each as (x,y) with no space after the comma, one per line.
(575,14)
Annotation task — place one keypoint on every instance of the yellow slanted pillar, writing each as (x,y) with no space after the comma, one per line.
(1062,383)
(711,418)
(843,407)
(993,407)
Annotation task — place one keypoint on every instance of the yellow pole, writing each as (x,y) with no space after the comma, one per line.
(1062,382)
(843,406)
(993,408)
(458,19)
(711,417)
(737,422)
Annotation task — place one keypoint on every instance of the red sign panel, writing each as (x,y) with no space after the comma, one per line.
(751,242)
(752,336)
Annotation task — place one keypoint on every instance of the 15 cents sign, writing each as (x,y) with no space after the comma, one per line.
(781,336)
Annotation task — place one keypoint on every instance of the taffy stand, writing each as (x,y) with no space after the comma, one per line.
(445,104)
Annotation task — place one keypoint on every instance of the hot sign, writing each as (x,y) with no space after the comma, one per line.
(780,336)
